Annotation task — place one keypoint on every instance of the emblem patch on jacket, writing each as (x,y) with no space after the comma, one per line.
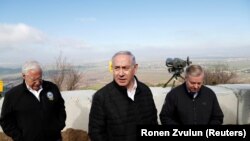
(50,96)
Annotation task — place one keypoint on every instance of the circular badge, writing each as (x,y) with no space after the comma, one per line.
(50,96)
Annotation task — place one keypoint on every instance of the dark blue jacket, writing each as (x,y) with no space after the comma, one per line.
(181,108)
(25,118)
(114,116)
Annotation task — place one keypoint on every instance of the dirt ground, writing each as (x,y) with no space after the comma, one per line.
(67,135)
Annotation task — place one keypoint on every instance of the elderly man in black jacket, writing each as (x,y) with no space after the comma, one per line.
(192,103)
(122,104)
(33,110)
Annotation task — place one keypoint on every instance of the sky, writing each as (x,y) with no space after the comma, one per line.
(86,31)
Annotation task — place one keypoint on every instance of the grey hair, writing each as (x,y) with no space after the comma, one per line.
(30,65)
(194,70)
(125,53)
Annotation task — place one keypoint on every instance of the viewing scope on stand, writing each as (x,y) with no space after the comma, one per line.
(176,66)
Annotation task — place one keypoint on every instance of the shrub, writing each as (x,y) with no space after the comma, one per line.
(219,74)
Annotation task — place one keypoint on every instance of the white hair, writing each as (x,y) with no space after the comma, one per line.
(30,65)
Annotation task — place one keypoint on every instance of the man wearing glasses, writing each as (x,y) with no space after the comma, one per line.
(122,104)
(33,110)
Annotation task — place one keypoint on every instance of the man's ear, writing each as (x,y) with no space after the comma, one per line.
(136,67)
(23,75)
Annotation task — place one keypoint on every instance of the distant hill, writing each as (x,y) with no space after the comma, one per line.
(153,73)
(9,70)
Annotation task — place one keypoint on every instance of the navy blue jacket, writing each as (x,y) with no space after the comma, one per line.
(25,118)
(114,116)
(182,109)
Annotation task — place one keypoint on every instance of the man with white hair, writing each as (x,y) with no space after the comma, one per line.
(33,110)
(192,103)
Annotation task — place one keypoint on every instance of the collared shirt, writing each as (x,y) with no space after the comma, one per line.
(192,93)
(131,93)
(34,92)
(195,95)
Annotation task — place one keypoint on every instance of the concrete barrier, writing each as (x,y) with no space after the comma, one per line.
(226,98)
(234,100)
(242,93)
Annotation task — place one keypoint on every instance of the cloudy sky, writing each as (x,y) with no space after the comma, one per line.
(93,30)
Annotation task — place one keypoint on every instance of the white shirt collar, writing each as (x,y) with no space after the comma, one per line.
(131,93)
(195,95)
(34,92)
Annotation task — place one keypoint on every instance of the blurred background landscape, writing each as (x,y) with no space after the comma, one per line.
(153,73)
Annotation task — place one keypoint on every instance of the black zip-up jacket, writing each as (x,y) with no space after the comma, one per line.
(180,108)
(25,118)
(114,116)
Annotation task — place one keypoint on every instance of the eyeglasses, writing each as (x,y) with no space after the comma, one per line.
(34,80)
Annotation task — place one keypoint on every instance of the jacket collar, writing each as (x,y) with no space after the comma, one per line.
(124,89)
(44,85)
(191,94)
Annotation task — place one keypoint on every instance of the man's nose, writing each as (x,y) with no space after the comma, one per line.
(121,72)
(38,82)
(196,86)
